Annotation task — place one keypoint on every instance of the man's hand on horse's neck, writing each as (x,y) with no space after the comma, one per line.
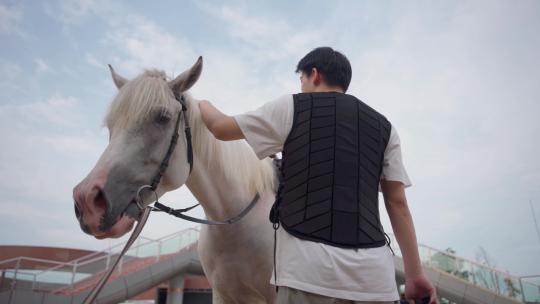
(223,127)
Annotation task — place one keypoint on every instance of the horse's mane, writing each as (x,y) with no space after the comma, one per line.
(235,158)
(138,97)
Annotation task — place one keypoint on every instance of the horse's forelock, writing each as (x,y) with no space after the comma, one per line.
(136,99)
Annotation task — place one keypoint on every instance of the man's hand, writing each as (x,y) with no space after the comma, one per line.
(417,285)
(223,127)
(419,288)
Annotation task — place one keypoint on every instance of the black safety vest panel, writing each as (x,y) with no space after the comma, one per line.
(332,164)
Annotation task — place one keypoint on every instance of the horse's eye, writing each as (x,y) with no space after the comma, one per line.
(163,118)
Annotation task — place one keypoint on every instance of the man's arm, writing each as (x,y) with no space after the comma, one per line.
(417,286)
(223,127)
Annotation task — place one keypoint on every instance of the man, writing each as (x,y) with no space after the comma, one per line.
(337,151)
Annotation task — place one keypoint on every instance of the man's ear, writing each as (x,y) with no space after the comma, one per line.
(316,76)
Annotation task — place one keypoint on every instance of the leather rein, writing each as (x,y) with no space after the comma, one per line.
(145,211)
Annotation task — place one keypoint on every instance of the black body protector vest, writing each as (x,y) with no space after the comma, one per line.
(332,164)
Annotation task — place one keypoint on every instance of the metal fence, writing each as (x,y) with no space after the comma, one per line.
(51,276)
(524,289)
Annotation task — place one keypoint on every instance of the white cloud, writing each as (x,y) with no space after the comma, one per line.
(55,110)
(44,149)
(9,75)
(258,67)
(93,61)
(272,38)
(11,20)
(42,66)
(135,41)
(73,12)
(9,70)
(140,43)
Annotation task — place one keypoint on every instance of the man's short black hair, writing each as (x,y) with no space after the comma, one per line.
(334,66)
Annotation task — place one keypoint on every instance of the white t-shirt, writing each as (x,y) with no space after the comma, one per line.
(352,274)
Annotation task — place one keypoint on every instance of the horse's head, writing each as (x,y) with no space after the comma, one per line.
(141,122)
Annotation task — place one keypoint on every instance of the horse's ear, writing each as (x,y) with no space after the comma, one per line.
(119,81)
(188,78)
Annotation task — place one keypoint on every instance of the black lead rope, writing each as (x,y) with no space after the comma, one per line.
(389,243)
(276,227)
(90,298)
(175,210)
(179,213)
(274,212)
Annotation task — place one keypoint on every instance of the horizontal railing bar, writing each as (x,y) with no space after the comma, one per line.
(32,260)
(484,267)
(111,254)
(530,276)
(98,255)
(466,260)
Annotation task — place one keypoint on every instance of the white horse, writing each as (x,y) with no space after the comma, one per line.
(236,258)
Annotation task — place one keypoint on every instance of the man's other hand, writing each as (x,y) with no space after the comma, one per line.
(418,288)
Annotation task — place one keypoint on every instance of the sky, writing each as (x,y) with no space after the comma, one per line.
(459,80)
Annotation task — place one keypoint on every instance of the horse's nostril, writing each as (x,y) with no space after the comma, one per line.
(100,201)
(78,212)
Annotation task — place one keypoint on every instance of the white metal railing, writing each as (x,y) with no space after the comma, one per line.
(56,276)
(502,283)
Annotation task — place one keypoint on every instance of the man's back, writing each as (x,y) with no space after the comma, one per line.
(332,163)
(354,274)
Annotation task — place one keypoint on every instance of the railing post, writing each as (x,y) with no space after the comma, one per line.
(521,289)
(108,262)
(120,264)
(14,282)
(158,251)
(34,282)
(73,272)
(495,279)
(179,242)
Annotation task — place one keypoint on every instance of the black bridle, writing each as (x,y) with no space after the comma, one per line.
(145,211)
(172,145)
(163,167)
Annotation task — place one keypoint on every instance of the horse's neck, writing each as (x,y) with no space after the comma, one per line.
(222,195)
(219,197)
